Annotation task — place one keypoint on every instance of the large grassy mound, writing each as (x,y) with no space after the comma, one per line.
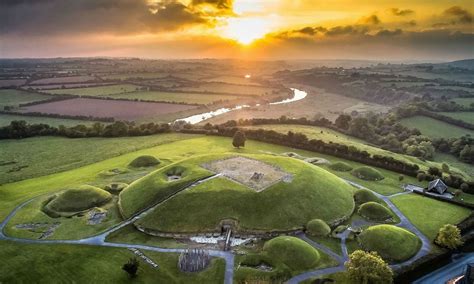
(293,252)
(144,161)
(363,195)
(312,193)
(374,211)
(340,167)
(76,200)
(368,173)
(391,242)
(317,227)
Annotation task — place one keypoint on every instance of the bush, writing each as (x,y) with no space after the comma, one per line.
(368,173)
(292,252)
(317,227)
(363,196)
(340,167)
(449,236)
(374,211)
(368,267)
(144,161)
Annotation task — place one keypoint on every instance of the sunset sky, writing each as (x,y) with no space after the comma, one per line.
(249,29)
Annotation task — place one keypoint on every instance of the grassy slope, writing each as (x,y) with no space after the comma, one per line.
(435,128)
(391,242)
(329,135)
(464,101)
(428,214)
(96,91)
(189,98)
(5,120)
(59,264)
(282,206)
(465,116)
(47,155)
(15,97)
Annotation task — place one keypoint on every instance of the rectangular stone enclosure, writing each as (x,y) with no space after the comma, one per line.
(255,174)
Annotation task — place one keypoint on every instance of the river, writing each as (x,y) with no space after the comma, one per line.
(297,95)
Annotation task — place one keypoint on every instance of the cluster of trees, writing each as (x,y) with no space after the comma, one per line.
(56,115)
(462,147)
(447,177)
(20,129)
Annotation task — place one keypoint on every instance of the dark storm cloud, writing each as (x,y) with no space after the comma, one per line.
(40,17)
(400,12)
(459,14)
(347,30)
(370,20)
(389,32)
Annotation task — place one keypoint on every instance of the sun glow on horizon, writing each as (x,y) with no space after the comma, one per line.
(246,30)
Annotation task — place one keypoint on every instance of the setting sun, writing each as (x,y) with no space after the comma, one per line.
(246,30)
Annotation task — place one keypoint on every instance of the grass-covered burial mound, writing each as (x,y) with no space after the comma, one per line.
(368,173)
(74,200)
(390,242)
(340,167)
(144,161)
(374,211)
(363,195)
(292,252)
(297,193)
(318,228)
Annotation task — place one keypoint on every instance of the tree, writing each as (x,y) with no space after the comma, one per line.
(368,267)
(239,139)
(131,267)
(445,167)
(449,236)
(343,121)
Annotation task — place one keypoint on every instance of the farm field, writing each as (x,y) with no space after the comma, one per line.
(48,155)
(138,75)
(5,120)
(66,86)
(233,80)
(121,110)
(464,116)
(187,98)
(96,91)
(12,82)
(223,88)
(435,128)
(11,97)
(63,80)
(464,101)
(96,264)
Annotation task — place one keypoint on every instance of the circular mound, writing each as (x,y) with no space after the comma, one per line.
(144,161)
(368,173)
(390,242)
(75,200)
(340,167)
(293,252)
(318,227)
(363,195)
(237,194)
(115,187)
(374,211)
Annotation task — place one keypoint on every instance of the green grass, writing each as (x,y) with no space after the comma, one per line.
(374,211)
(317,227)
(292,252)
(435,128)
(340,167)
(10,97)
(368,173)
(329,135)
(429,215)
(144,161)
(363,195)
(464,116)
(187,98)
(333,244)
(130,235)
(48,155)
(90,264)
(6,119)
(96,91)
(464,101)
(454,162)
(312,194)
(77,199)
(392,243)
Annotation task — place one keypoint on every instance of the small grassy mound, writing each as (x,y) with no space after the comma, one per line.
(391,242)
(363,196)
(340,167)
(317,228)
(374,211)
(115,187)
(74,200)
(293,252)
(144,161)
(176,171)
(368,173)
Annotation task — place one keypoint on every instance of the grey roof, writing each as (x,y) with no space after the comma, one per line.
(437,185)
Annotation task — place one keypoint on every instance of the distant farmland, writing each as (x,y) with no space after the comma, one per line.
(435,128)
(6,119)
(11,97)
(187,98)
(121,110)
(63,80)
(464,116)
(96,91)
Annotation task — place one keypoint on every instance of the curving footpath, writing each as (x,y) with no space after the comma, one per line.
(99,240)
(404,223)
